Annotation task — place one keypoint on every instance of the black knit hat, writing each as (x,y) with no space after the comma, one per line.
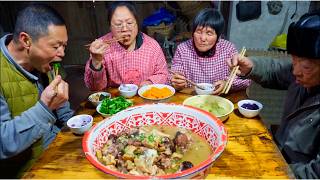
(304,36)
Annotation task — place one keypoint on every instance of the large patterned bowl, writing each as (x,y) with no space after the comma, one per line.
(197,120)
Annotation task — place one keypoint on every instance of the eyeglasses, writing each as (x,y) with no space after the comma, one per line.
(129,25)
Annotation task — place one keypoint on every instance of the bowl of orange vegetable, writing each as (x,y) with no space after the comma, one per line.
(156,92)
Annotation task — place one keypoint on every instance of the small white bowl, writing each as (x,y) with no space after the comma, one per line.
(94,98)
(79,124)
(128,90)
(209,88)
(245,111)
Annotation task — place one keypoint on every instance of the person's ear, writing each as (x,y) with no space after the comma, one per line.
(25,39)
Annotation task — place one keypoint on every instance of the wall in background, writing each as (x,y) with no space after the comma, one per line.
(87,21)
(259,33)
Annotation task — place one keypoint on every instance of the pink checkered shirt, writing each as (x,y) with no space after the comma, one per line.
(121,66)
(206,69)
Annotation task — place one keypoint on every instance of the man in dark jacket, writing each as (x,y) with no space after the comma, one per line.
(298,136)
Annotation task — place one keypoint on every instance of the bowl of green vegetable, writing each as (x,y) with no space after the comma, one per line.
(216,105)
(112,106)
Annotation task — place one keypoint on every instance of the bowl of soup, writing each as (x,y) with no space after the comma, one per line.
(218,106)
(156,141)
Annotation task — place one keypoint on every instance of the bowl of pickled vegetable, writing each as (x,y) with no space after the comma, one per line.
(156,141)
(96,98)
(112,106)
(249,108)
(218,106)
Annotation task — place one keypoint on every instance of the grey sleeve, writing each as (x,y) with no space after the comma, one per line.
(310,170)
(22,131)
(271,73)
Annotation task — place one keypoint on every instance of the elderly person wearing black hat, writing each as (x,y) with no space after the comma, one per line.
(298,136)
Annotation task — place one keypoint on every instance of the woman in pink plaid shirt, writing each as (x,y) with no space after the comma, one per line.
(132,58)
(202,59)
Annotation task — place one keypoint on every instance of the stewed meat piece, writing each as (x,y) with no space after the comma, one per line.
(181,140)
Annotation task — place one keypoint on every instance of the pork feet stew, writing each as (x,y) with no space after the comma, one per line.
(153,150)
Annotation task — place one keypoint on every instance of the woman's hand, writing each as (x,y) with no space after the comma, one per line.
(178,81)
(56,94)
(219,85)
(97,50)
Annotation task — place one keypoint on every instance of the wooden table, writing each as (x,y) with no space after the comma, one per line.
(250,152)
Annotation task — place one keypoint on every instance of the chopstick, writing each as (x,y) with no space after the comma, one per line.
(233,74)
(109,41)
(189,81)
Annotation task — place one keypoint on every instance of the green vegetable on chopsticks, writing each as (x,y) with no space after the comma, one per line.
(56,66)
(114,105)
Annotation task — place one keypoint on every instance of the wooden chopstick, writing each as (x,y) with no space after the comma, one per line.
(233,74)
(232,77)
(109,41)
(189,81)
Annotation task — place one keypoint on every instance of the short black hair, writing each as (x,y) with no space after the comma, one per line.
(35,19)
(303,38)
(209,17)
(130,5)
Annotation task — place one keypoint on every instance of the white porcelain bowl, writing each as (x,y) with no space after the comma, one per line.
(128,90)
(249,108)
(143,89)
(95,97)
(208,89)
(79,124)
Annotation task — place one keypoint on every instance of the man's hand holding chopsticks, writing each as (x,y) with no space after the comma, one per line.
(56,94)
(244,63)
